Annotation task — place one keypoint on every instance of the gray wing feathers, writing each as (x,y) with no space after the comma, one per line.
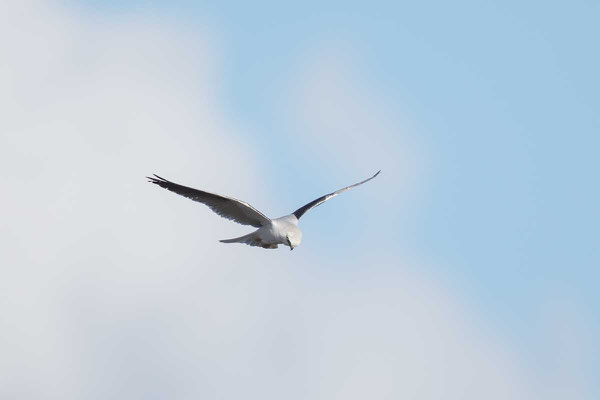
(227,207)
(302,210)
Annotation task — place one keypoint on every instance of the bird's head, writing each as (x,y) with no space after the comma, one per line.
(293,238)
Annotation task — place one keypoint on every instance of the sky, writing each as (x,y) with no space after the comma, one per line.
(467,269)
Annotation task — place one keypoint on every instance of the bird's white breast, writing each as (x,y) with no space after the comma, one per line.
(279,228)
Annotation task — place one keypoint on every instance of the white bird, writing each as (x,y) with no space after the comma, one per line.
(270,232)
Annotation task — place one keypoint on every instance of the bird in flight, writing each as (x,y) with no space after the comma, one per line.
(270,232)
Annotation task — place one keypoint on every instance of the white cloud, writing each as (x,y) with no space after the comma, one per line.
(347,126)
(343,121)
(113,288)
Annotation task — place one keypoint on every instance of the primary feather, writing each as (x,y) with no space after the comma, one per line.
(227,207)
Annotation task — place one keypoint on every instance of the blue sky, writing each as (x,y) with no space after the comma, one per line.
(482,116)
(503,96)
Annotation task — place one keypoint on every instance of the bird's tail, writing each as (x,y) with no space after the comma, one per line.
(242,239)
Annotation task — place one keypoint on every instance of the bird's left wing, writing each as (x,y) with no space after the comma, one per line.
(227,207)
(300,212)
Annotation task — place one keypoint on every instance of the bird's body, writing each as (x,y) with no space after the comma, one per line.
(277,232)
(270,232)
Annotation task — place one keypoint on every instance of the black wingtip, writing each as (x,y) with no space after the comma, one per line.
(161,178)
(158,180)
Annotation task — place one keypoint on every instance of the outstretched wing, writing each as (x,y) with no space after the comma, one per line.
(300,212)
(235,210)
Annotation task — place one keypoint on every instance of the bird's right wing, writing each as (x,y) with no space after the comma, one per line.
(227,207)
(300,212)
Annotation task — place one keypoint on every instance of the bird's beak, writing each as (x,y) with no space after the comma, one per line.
(291,248)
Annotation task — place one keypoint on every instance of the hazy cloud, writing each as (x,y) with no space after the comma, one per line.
(112,288)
